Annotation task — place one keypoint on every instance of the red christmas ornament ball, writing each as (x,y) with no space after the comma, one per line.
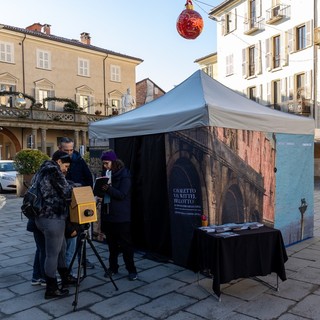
(189,24)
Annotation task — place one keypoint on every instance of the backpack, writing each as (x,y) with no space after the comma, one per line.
(32,200)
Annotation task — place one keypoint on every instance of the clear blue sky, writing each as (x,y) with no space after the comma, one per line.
(144,29)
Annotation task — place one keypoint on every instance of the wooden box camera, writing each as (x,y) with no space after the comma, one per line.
(83,206)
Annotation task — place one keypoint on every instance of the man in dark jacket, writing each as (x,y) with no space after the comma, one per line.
(80,174)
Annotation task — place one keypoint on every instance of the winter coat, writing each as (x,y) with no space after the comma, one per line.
(119,208)
(55,191)
(31,225)
(79,171)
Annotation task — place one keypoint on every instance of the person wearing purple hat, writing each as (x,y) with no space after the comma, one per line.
(116,213)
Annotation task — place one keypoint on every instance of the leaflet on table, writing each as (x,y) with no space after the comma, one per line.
(214,228)
(226,234)
(232,226)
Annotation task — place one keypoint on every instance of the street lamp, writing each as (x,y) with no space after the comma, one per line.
(303,207)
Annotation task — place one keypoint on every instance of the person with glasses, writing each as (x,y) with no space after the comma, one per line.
(80,174)
(116,213)
(56,194)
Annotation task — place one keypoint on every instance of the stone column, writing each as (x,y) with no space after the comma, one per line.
(84,138)
(35,142)
(76,140)
(43,140)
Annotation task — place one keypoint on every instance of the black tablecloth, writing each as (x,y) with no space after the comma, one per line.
(256,252)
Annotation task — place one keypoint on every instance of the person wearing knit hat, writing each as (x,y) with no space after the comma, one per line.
(109,156)
(116,213)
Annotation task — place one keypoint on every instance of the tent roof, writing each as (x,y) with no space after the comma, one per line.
(199,101)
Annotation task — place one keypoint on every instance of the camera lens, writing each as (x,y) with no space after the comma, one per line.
(88,213)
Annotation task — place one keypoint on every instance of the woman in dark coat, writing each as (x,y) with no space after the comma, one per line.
(116,213)
(55,195)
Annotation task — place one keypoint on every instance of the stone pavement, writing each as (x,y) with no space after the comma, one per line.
(163,291)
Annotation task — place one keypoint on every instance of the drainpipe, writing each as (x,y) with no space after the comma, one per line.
(23,69)
(104,81)
(315,68)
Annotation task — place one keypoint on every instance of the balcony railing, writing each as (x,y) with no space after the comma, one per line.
(252,25)
(276,13)
(299,107)
(47,115)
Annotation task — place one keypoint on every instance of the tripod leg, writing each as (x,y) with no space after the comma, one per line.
(82,248)
(78,247)
(101,262)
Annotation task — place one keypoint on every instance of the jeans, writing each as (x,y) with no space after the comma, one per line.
(55,244)
(40,255)
(70,250)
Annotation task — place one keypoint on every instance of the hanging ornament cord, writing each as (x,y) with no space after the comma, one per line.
(189,5)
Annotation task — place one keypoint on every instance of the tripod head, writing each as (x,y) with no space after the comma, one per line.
(84,230)
(85,226)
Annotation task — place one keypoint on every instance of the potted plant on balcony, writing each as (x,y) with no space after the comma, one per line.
(27,162)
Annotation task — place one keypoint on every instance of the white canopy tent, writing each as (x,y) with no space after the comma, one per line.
(199,101)
(261,179)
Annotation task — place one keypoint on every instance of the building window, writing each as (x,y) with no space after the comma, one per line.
(252,13)
(6,100)
(115,73)
(300,81)
(252,93)
(6,52)
(43,59)
(228,22)
(276,94)
(276,52)
(84,103)
(251,61)
(208,69)
(41,95)
(115,106)
(229,65)
(83,67)
(301,37)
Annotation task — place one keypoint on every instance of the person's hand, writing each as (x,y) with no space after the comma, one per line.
(77,185)
(105,187)
(73,234)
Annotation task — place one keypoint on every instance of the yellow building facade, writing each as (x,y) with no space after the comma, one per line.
(46,67)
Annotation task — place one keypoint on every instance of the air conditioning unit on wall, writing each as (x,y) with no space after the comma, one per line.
(317,36)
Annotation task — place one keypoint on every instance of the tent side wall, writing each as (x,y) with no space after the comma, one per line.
(294,185)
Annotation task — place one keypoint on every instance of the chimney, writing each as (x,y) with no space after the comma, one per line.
(35,27)
(85,38)
(46,29)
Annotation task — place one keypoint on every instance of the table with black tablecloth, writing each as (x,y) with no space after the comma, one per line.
(256,252)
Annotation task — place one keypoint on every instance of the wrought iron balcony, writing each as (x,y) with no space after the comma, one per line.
(252,25)
(276,13)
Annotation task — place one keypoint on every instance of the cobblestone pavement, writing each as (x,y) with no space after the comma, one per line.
(163,290)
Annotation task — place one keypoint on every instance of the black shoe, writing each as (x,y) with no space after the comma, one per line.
(59,293)
(69,280)
(133,276)
(110,273)
(52,290)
